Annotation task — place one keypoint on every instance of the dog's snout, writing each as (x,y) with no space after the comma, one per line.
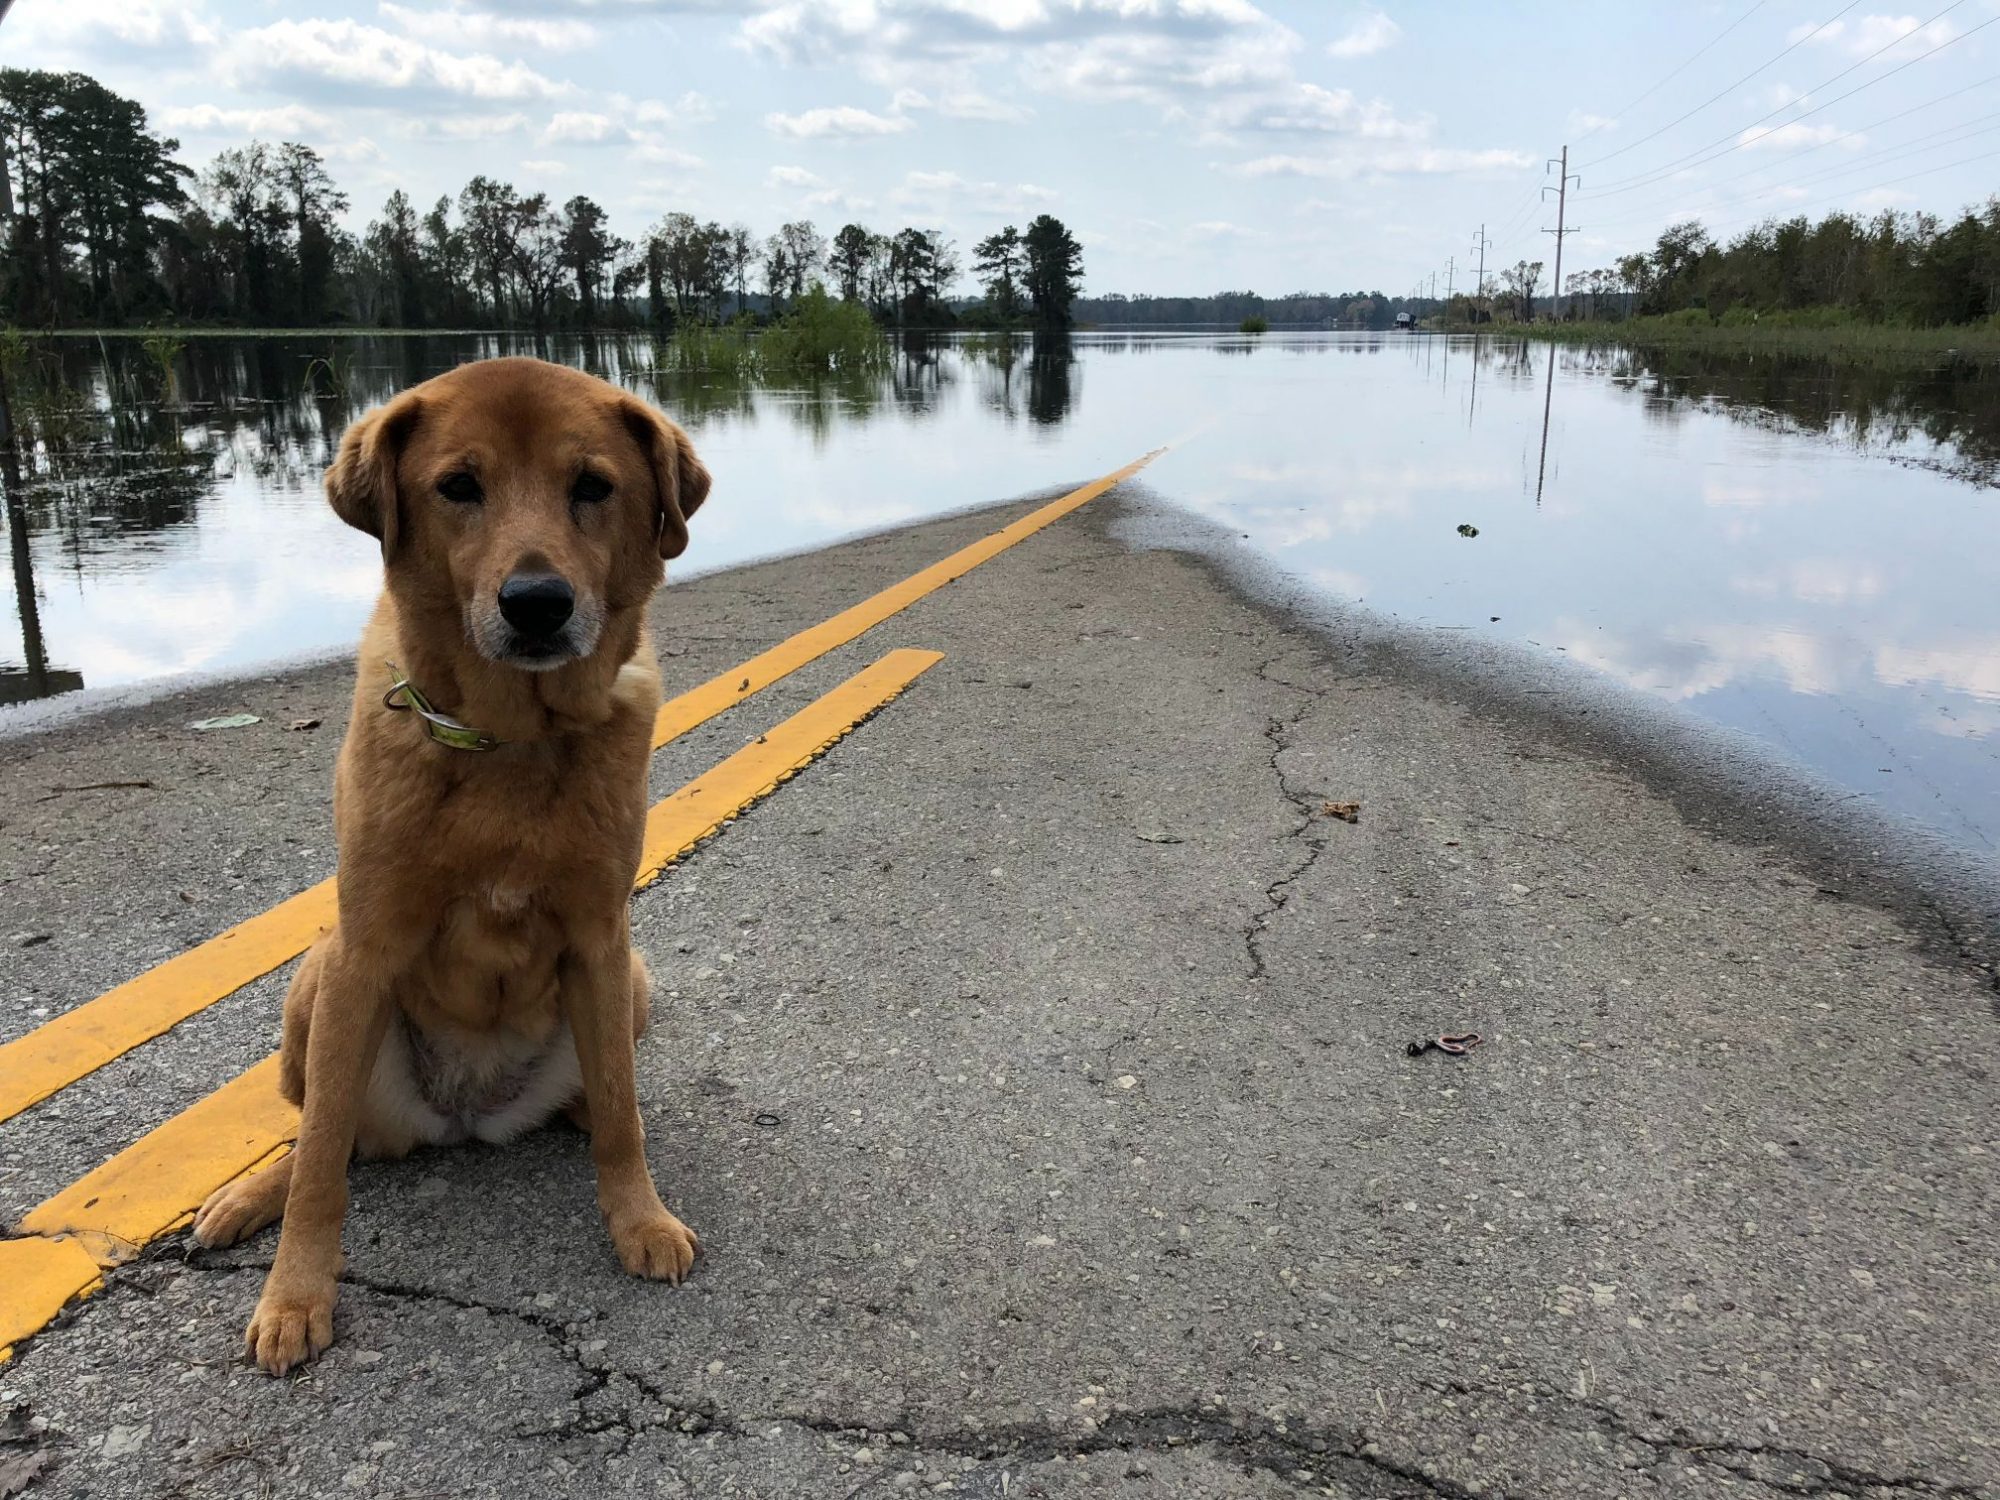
(537,604)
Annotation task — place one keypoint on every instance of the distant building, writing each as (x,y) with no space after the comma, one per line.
(1405,321)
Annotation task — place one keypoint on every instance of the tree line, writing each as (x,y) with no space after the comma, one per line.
(102,225)
(1911,269)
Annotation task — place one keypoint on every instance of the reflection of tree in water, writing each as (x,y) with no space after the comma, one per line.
(1051,379)
(1955,404)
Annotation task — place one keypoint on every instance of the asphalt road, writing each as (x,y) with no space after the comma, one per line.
(1033,1067)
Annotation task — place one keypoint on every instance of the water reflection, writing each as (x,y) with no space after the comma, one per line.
(1726,533)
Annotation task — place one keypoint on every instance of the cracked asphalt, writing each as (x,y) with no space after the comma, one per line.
(1033,1068)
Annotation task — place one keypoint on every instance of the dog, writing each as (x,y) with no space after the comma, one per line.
(490,805)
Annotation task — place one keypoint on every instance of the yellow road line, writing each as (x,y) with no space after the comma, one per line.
(154,1185)
(80,1041)
(713,696)
(161,1178)
(41,1278)
(691,814)
(85,1038)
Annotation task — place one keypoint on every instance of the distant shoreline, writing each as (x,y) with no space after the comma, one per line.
(1857,340)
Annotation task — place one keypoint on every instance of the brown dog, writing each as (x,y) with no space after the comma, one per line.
(481,975)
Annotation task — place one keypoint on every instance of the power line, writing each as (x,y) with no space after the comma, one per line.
(1862,130)
(1965,161)
(1634,104)
(1871,161)
(1737,140)
(1629,145)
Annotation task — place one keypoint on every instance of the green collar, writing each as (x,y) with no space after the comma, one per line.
(440,727)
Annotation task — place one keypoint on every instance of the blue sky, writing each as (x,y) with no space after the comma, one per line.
(1193,145)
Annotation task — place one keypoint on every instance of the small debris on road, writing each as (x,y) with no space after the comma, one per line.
(302,726)
(226,721)
(1466,529)
(1347,812)
(1453,1044)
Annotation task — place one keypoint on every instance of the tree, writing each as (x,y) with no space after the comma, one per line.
(314,200)
(996,260)
(804,250)
(535,254)
(396,241)
(1055,270)
(91,174)
(741,250)
(488,210)
(852,249)
(1520,281)
(588,250)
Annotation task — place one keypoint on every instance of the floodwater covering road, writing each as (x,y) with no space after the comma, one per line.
(1802,552)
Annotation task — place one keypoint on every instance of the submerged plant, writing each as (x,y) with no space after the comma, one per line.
(820,336)
(330,374)
(163,349)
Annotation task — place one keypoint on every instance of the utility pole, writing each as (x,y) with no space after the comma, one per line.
(1482,245)
(1563,180)
(1450,271)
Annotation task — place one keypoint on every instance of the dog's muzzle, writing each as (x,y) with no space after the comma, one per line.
(537,622)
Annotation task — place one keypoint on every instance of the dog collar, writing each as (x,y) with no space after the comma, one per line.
(440,727)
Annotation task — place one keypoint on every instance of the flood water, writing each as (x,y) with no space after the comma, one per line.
(1803,551)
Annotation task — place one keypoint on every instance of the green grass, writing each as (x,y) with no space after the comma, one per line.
(819,336)
(1777,334)
(1254,324)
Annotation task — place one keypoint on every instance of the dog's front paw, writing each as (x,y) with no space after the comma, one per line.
(288,1329)
(657,1246)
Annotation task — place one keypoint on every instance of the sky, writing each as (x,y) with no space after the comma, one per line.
(1192,146)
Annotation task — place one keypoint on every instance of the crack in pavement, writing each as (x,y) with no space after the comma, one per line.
(1834,1476)
(1312,1458)
(1278,892)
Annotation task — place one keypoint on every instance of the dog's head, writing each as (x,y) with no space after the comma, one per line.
(538,501)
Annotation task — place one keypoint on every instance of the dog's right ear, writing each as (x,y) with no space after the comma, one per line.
(361,483)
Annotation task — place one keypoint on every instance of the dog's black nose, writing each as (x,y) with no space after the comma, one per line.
(536,603)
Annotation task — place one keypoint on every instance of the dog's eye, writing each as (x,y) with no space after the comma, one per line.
(590,488)
(461,487)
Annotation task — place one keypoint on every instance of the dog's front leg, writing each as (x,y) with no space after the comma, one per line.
(294,1317)
(596,990)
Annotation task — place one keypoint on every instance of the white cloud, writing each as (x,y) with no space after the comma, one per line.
(464,127)
(1373,33)
(1306,108)
(1582,122)
(797,177)
(92,24)
(1784,136)
(661,154)
(842,121)
(1864,36)
(690,109)
(285,122)
(1401,160)
(944,192)
(346,55)
(1223,229)
(478,29)
(582,128)
(545,168)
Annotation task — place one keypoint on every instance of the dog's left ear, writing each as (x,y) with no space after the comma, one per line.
(680,480)
(361,483)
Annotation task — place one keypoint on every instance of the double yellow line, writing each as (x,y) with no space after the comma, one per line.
(154,1185)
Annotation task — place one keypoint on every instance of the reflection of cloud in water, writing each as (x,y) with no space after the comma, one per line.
(1814,580)
(1751,491)
(1339,584)
(1707,658)
(1972,668)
